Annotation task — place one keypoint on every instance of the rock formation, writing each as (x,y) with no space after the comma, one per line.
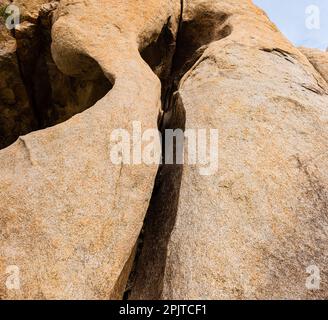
(70,218)
(80,227)
(319,60)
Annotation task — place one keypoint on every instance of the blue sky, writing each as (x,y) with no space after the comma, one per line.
(293,20)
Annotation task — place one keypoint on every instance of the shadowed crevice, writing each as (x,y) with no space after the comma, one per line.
(52,97)
(146,279)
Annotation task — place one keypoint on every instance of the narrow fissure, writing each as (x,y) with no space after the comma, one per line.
(152,227)
(193,37)
(55,97)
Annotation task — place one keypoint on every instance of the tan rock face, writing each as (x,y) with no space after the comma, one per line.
(70,219)
(34,93)
(252,228)
(319,60)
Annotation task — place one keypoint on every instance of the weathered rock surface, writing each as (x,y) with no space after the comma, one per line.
(251,229)
(69,218)
(36,93)
(14,101)
(319,60)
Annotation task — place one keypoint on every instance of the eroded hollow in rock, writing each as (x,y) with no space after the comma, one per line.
(195,34)
(52,97)
(34,93)
(146,279)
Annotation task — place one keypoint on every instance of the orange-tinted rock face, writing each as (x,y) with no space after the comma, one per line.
(75,225)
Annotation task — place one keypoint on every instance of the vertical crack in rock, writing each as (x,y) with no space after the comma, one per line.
(96,233)
(159,55)
(157,227)
(146,279)
(87,224)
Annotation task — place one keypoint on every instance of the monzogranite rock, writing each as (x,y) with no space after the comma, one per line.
(70,219)
(252,229)
(319,60)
